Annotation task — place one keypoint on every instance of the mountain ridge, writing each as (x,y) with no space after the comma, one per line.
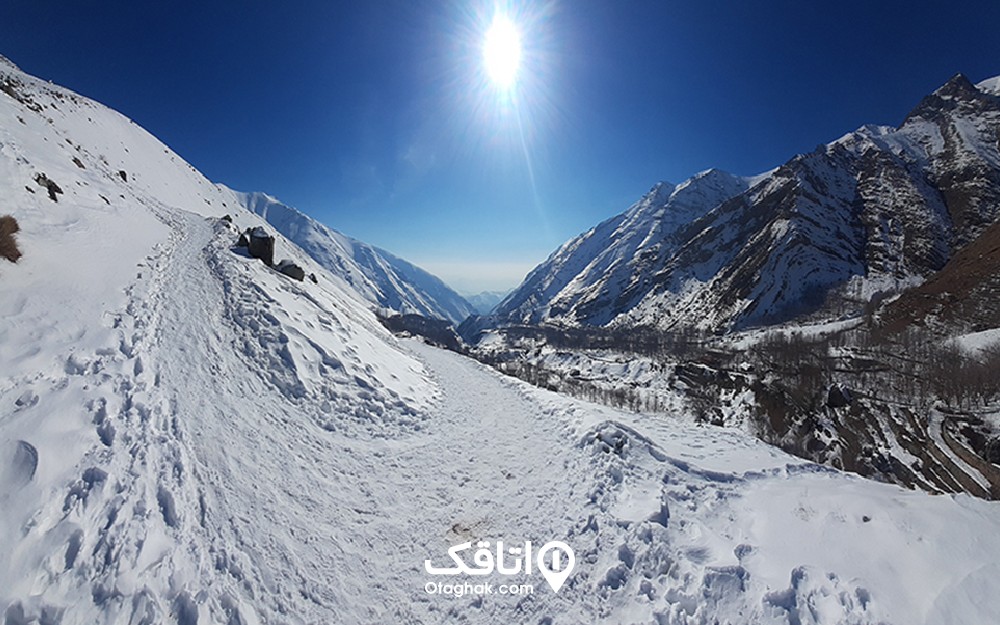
(380,276)
(875,211)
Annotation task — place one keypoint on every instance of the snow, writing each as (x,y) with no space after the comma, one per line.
(976,341)
(990,85)
(188,436)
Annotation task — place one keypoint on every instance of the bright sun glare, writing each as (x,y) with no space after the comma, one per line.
(502,51)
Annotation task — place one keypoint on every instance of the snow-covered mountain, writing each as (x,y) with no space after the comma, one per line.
(379,276)
(188,436)
(875,211)
(587,277)
(486,301)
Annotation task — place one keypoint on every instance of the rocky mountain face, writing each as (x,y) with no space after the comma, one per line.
(872,213)
(380,277)
(962,297)
(595,277)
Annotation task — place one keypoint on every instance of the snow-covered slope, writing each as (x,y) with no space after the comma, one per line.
(876,211)
(187,436)
(379,276)
(127,316)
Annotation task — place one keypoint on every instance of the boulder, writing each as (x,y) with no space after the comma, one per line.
(291,270)
(261,245)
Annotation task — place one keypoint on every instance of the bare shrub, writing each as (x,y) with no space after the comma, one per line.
(8,246)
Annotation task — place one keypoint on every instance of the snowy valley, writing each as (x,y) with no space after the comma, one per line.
(189,436)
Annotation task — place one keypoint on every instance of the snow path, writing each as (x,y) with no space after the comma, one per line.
(283,510)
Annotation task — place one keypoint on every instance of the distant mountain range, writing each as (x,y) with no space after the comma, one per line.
(871,214)
(485,302)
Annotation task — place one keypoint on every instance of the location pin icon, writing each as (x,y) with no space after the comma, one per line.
(559,570)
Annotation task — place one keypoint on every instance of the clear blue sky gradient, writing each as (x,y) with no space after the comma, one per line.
(374,117)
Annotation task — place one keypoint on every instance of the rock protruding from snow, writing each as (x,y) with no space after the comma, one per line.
(261,245)
(291,270)
(838,396)
(54,190)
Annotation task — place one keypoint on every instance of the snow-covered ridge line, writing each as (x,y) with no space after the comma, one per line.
(383,278)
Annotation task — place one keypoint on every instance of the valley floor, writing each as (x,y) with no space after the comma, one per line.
(194,463)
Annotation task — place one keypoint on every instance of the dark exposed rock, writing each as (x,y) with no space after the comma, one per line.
(960,297)
(838,396)
(123,175)
(52,187)
(291,270)
(261,245)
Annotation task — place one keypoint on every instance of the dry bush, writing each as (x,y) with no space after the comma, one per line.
(8,246)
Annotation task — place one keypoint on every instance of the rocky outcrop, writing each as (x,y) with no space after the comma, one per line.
(291,270)
(261,245)
(436,331)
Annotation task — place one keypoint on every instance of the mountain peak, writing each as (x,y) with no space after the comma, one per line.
(661,188)
(713,172)
(958,86)
(657,195)
(957,91)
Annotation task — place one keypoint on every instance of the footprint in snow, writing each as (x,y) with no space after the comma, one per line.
(21,464)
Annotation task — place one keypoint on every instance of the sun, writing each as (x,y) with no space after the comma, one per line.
(502,51)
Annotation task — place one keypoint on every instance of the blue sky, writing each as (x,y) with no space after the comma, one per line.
(375,116)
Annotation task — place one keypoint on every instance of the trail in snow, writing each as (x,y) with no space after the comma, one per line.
(217,492)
